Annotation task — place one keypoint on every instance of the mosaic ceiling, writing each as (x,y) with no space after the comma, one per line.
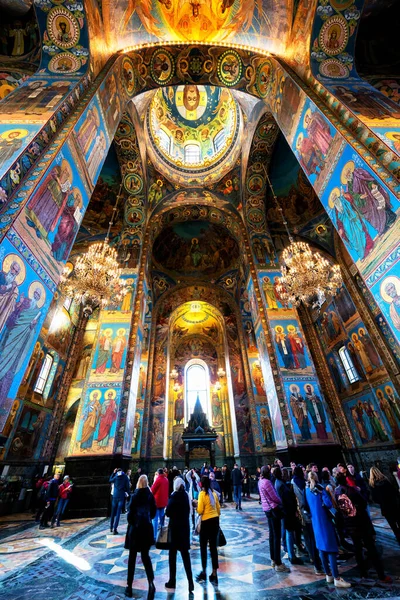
(193,126)
(195,249)
(259,23)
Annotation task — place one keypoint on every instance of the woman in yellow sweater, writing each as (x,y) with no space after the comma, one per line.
(209,509)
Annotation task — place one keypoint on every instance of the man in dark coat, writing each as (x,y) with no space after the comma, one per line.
(358,526)
(226,484)
(178,511)
(237,479)
(120,492)
(140,537)
(50,499)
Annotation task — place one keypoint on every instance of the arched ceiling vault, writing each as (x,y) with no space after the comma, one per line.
(263,24)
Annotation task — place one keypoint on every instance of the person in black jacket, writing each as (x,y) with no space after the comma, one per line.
(289,505)
(358,526)
(385,494)
(140,535)
(226,484)
(120,493)
(178,511)
(237,479)
(50,500)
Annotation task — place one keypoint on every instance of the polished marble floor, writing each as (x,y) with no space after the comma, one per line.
(82,561)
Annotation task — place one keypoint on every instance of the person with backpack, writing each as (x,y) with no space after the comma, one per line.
(358,526)
(299,488)
(139,536)
(320,504)
(385,494)
(289,506)
(178,511)
(272,507)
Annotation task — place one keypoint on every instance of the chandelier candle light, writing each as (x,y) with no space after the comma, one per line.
(96,277)
(307,276)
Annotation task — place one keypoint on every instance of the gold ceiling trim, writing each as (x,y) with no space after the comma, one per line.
(163,44)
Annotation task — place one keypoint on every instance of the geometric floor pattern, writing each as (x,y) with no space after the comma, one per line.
(82,561)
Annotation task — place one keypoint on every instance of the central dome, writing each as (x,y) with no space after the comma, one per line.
(193,128)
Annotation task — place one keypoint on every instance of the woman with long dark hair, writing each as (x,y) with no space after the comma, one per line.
(178,511)
(272,506)
(140,536)
(289,505)
(385,494)
(209,509)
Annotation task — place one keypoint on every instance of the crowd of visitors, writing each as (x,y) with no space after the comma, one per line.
(313,516)
(330,512)
(52,497)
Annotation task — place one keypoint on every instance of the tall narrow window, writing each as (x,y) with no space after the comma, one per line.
(196,385)
(67,303)
(44,374)
(348,365)
(219,140)
(192,154)
(165,140)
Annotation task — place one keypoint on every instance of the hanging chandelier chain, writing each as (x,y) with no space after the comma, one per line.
(95,279)
(306,275)
(278,206)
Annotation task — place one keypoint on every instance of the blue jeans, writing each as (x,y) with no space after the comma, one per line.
(160,517)
(290,544)
(329,562)
(237,494)
(116,508)
(60,509)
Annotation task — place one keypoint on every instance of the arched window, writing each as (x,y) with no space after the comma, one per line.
(348,365)
(192,154)
(197,384)
(219,140)
(44,374)
(165,140)
(67,303)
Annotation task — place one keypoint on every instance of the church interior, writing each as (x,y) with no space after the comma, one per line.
(199,259)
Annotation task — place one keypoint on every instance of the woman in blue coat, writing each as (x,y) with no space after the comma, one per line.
(319,503)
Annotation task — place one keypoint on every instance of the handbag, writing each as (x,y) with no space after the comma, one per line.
(163,541)
(221,539)
(198,525)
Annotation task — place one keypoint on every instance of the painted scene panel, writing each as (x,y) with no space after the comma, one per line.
(24,302)
(110,353)
(50,221)
(92,138)
(270,390)
(98,421)
(367,421)
(310,421)
(291,348)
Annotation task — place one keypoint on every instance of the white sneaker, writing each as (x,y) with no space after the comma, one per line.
(273,565)
(341,583)
(282,568)
(286,555)
(329,579)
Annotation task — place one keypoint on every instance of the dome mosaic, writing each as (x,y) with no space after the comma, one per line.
(194,128)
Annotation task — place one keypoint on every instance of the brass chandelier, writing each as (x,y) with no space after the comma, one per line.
(95,279)
(307,276)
